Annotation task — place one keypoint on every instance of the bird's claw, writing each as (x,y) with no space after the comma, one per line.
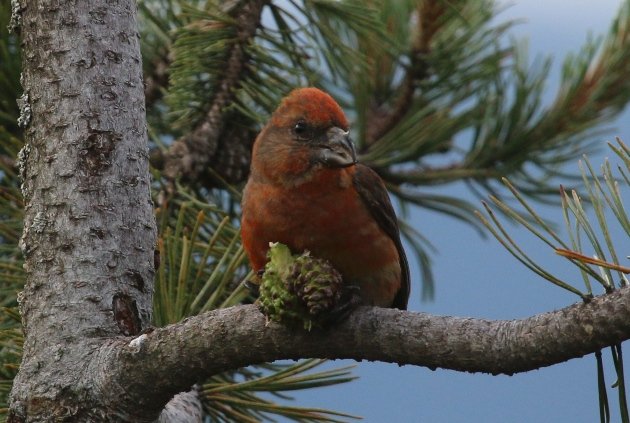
(253,287)
(350,300)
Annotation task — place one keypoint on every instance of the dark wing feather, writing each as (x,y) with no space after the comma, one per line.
(374,194)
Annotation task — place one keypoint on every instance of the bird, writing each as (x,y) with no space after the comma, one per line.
(307,190)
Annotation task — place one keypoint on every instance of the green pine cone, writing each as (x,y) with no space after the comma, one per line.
(316,283)
(298,289)
(275,301)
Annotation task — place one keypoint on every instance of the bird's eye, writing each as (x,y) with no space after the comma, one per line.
(301,129)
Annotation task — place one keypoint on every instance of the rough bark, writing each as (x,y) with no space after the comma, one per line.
(89,231)
(223,339)
(185,407)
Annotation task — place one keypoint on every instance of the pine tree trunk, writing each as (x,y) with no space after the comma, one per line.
(89,231)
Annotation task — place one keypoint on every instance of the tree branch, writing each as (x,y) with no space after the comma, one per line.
(190,156)
(185,407)
(429,22)
(157,365)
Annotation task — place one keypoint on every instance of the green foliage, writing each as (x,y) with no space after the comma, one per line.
(591,248)
(10,139)
(201,53)
(237,401)
(10,65)
(202,264)
(604,194)
(211,50)
(11,215)
(11,340)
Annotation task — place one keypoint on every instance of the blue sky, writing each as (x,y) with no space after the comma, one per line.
(478,278)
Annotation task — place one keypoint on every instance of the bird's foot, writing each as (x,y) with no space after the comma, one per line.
(350,300)
(254,285)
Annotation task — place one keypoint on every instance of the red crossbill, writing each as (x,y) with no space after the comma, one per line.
(307,191)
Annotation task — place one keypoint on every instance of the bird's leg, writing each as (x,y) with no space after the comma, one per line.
(350,299)
(254,285)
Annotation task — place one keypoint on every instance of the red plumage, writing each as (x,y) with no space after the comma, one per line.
(306,190)
(313,104)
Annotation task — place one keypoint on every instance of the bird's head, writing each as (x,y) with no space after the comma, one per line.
(308,131)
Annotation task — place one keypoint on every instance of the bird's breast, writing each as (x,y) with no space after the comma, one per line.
(326,216)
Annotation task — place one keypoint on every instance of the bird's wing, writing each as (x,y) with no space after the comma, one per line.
(374,194)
